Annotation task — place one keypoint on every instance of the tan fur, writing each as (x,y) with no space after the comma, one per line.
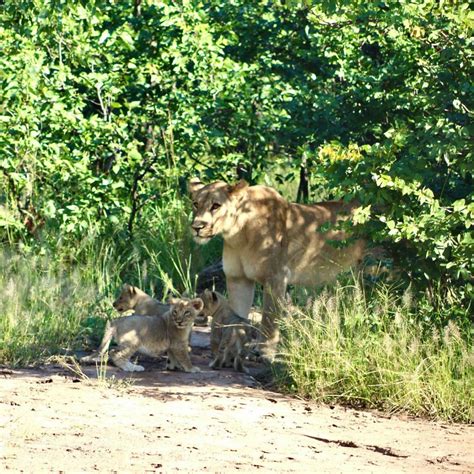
(132,298)
(273,242)
(229,332)
(152,335)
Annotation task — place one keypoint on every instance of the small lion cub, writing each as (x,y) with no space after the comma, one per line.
(152,335)
(132,298)
(229,331)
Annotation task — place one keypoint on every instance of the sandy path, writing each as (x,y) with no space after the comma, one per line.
(207,422)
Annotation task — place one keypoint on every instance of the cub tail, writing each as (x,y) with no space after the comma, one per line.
(106,340)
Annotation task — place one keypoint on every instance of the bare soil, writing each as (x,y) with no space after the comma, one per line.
(213,421)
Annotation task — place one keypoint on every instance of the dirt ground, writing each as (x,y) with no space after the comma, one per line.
(215,421)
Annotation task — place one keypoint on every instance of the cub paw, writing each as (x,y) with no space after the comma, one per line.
(133,367)
(90,359)
(194,370)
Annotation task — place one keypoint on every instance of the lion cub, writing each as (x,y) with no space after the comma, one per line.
(132,298)
(229,331)
(152,335)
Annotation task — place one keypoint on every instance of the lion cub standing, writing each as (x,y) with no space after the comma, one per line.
(152,335)
(132,298)
(229,332)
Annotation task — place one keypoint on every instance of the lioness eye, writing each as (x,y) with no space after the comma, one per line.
(215,206)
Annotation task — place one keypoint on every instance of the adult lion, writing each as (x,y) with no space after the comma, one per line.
(273,242)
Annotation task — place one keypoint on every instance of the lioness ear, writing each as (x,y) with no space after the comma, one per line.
(197,304)
(128,288)
(235,188)
(194,186)
(214,296)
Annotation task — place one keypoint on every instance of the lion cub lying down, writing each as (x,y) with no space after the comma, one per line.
(152,335)
(229,332)
(132,298)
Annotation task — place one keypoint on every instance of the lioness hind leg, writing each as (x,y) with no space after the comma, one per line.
(273,296)
(121,358)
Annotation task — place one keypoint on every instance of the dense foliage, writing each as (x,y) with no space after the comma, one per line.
(106,107)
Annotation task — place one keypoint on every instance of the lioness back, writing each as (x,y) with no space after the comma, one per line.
(152,335)
(132,298)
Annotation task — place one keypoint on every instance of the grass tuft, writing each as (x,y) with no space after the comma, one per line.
(370,352)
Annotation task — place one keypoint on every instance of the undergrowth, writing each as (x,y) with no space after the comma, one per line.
(378,350)
(348,348)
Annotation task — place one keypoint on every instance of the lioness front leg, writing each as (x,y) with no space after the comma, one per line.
(241,292)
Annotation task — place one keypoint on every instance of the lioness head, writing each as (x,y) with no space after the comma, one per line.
(128,299)
(184,311)
(214,208)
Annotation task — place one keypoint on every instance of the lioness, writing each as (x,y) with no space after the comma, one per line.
(152,335)
(132,298)
(229,331)
(271,241)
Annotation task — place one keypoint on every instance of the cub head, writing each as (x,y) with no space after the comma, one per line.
(184,311)
(212,301)
(214,208)
(128,299)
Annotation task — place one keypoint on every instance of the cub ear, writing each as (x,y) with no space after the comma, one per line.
(214,296)
(194,186)
(172,300)
(197,304)
(235,188)
(128,288)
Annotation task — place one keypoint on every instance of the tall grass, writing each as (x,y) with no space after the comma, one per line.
(42,305)
(56,294)
(370,352)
